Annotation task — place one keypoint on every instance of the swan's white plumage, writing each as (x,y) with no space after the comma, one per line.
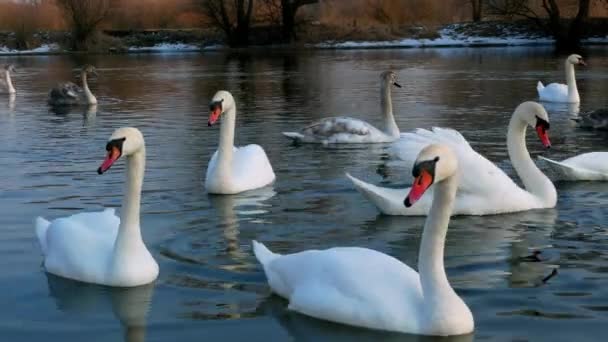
(235,169)
(347,130)
(557,92)
(351,285)
(251,169)
(554,92)
(99,247)
(484,189)
(365,288)
(591,166)
(79,246)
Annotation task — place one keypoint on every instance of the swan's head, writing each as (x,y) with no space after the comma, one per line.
(535,116)
(10,68)
(389,77)
(576,60)
(221,102)
(89,70)
(434,163)
(124,141)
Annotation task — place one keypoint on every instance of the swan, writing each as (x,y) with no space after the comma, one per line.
(232,170)
(342,129)
(591,166)
(68,93)
(557,92)
(484,188)
(99,247)
(366,288)
(6,84)
(597,119)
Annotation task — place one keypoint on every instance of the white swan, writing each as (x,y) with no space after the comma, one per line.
(6,84)
(68,93)
(232,170)
(484,188)
(366,288)
(557,92)
(349,130)
(99,247)
(591,166)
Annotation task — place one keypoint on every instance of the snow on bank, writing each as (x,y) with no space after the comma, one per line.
(41,50)
(167,47)
(447,38)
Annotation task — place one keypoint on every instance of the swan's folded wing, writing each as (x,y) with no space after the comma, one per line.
(350,285)
(477,174)
(337,125)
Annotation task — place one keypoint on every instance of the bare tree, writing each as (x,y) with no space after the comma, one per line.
(477,7)
(232,17)
(84,17)
(566,31)
(289,9)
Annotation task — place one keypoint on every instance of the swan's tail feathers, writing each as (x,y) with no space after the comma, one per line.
(42,226)
(388,201)
(557,170)
(294,135)
(263,254)
(540,86)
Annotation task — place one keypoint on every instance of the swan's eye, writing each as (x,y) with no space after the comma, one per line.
(115,143)
(544,124)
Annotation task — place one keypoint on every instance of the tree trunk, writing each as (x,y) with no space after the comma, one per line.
(288,18)
(477,9)
(572,41)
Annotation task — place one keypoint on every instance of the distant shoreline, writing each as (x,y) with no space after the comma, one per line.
(462,35)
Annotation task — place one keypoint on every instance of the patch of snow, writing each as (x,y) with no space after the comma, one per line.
(166,47)
(448,37)
(596,40)
(42,49)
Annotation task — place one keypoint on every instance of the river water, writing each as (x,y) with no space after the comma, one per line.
(210,286)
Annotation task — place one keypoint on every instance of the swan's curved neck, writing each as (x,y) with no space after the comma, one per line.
(534,180)
(435,285)
(91,99)
(386,103)
(571,82)
(226,148)
(129,233)
(9,82)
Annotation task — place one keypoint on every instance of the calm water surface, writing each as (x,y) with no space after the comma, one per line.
(210,286)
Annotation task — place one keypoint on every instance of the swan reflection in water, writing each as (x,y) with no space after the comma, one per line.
(304,328)
(233,208)
(130,305)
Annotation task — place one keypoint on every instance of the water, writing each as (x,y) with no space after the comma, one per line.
(210,286)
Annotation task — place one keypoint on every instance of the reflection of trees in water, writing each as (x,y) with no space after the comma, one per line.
(129,305)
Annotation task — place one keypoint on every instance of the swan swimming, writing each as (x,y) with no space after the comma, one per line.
(99,247)
(234,169)
(68,93)
(484,188)
(558,92)
(363,287)
(343,129)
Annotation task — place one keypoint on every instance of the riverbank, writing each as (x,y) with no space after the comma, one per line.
(314,36)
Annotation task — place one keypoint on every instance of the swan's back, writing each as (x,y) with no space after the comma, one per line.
(80,246)
(338,130)
(66,93)
(349,285)
(554,92)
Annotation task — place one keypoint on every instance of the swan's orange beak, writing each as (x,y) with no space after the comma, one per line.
(421,184)
(112,156)
(214,115)
(543,135)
